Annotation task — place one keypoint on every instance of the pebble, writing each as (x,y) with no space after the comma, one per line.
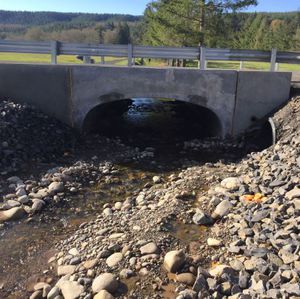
(103,295)
(214,242)
(149,248)
(65,270)
(71,289)
(186,278)
(56,187)
(222,209)
(105,281)
(114,259)
(201,218)
(174,260)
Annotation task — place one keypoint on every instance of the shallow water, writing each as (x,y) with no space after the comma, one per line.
(26,246)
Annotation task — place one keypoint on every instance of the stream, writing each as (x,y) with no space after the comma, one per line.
(160,127)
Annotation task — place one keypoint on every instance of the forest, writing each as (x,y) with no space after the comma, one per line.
(221,24)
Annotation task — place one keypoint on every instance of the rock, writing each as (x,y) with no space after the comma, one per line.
(53,293)
(107,212)
(71,289)
(90,264)
(56,187)
(186,278)
(37,205)
(103,295)
(12,204)
(36,295)
(201,218)
(21,192)
(222,209)
(294,193)
(65,270)
(74,251)
(174,260)
(12,214)
(231,183)
(214,242)
(291,288)
(149,248)
(40,286)
(114,259)
(156,179)
(126,273)
(23,199)
(218,270)
(296,203)
(106,281)
(259,215)
(144,272)
(187,294)
(287,256)
(118,205)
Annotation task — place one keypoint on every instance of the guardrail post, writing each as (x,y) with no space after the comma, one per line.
(87,59)
(241,65)
(130,54)
(273,60)
(202,58)
(54,51)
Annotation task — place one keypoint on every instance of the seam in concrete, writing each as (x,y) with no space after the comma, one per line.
(70,94)
(235,102)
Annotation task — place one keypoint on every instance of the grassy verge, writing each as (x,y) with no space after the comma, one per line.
(230,65)
(46,58)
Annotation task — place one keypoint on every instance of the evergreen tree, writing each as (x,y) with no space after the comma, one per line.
(188,22)
(123,33)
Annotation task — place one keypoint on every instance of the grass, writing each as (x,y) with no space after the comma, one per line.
(46,58)
(66,59)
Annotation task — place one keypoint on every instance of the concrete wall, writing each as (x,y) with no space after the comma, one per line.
(214,90)
(259,94)
(69,92)
(45,86)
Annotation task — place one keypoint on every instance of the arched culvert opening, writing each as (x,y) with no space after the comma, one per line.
(148,122)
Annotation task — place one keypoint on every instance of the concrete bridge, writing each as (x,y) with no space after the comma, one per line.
(71,92)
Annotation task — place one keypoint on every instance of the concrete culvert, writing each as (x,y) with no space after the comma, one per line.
(158,120)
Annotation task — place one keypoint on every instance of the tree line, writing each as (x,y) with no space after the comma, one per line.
(219,24)
(211,23)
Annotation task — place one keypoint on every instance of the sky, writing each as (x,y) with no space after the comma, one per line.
(135,7)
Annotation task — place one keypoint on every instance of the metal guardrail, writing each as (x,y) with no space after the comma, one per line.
(56,48)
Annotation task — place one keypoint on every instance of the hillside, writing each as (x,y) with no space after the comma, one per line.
(28,18)
(233,30)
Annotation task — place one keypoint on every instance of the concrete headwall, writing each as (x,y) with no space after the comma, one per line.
(69,92)
(214,90)
(45,86)
(259,94)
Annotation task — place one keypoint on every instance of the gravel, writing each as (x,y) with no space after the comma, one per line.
(245,216)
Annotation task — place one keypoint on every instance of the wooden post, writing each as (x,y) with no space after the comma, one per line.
(202,58)
(130,54)
(54,51)
(273,60)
